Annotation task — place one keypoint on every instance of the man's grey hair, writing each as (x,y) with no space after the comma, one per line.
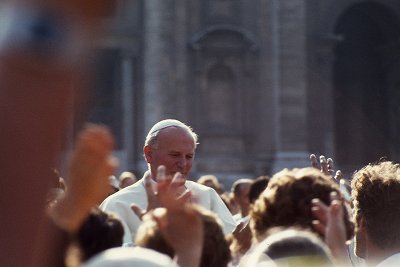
(151,138)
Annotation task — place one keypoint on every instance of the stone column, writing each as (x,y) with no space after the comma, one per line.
(128,102)
(159,72)
(264,100)
(290,85)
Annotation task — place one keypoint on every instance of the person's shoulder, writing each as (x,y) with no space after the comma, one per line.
(201,189)
(129,193)
(195,185)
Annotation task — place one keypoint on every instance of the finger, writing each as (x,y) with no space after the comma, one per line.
(246,226)
(324,164)
(148,184)
(161,177)
(320,215)
(138,211)
(194,198)
(338,176)
(333,196)
(173,203)
(319,210)
(160,216)
(319,227)
(336,210)
(314,161)
(184,198)
(112,164)
(331,168)
(177,181)
(238,228)
(166,195)
(97,136)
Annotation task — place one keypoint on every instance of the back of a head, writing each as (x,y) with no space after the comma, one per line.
(130,257)
(235,189)
(286,202)
(257,187)
(297,248)
(99,232)
(151,138)
(126,178)
(211,181)
(127,175)
(215,252)
(376,197)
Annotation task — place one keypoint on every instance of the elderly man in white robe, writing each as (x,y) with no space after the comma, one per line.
(172,144)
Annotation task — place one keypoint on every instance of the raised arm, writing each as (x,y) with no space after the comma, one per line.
(38,75)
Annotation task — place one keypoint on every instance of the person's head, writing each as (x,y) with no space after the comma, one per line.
(376,204)
(230,203)
(286,201)
(215,247)
(126,179)
(170,143)
(240,190)
(257,187)
(292,248)
(114,184)
(99,232)
(211,181)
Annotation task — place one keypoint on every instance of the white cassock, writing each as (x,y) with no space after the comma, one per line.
(120,202)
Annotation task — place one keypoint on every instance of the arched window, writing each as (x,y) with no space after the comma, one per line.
(220,98)
(363,128)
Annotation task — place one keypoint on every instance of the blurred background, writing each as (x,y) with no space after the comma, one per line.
(263,82)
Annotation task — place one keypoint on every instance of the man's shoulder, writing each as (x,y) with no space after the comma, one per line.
(196,186)
(128,194)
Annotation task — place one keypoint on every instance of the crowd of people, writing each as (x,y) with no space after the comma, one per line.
(296,217)
(310,216)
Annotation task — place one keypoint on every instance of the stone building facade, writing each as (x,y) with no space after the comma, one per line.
(263,82)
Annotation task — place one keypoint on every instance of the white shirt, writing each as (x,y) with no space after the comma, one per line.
(120,202)
(392,261)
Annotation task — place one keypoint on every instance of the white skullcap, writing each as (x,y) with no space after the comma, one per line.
(167,123)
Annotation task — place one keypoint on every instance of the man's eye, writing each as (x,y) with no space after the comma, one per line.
(174,155)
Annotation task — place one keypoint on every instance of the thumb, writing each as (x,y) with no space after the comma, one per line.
(138,211)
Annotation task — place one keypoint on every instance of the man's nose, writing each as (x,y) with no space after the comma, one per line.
(181,162)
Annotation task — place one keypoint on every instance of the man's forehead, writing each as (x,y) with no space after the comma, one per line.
(175,133)
(177,151)
(176,139)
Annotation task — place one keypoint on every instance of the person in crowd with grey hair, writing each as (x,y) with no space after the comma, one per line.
(172,144)
(126,179)
(240,190)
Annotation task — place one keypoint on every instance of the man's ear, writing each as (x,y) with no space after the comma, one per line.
(147,151)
